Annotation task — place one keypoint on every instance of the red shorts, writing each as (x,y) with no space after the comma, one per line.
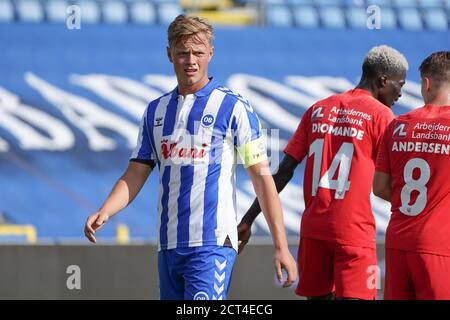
(325,267)
(412,275)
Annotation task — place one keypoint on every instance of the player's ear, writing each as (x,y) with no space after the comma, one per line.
(382,81)
(428,82)
(169,54)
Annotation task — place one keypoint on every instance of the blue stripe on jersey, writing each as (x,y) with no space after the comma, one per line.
(234,129)
(164,210)
(151,110)
(184,201)
(169,118)
(254,122)
(212,179)
(195,115)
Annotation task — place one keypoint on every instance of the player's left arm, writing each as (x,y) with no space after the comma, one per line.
(270,204)
(382,185)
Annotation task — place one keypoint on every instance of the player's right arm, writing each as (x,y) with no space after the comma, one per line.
(142,161)
(122,194)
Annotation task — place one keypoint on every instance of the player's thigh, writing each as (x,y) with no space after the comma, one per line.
(431,275)
(208,274)
(171,283)
(355,272)
(315,268)
(398,285)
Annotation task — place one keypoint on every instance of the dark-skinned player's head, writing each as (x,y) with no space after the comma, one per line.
(384,70)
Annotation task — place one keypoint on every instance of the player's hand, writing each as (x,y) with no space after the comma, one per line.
(284,260)
(94,223)
(244,233)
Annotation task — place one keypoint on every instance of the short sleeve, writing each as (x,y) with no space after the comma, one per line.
(248,138)
(297,146)
(144,151)
(383,161)
(380,124)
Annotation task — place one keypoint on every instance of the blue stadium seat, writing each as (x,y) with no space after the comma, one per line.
(306,16)
(435,19)
(409,19)
(142,13)
(300,2)
(353,3)
(357,17)
(405,3)
(431,3)
(90,12)
(279,16)
(275,2)
(30,11)
(447,3)
(56,10)
(6,11)
(332,17)
(334,3)
(381,3)
(115,12)
(167,12)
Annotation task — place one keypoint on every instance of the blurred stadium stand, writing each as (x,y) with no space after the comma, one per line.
(329,14)
(14,233)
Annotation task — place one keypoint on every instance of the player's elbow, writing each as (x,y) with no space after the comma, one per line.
(379,191)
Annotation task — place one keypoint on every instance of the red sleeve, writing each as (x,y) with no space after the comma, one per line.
(383,161)
(381,123)
(297,146)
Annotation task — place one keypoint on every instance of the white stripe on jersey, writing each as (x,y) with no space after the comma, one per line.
(225,206)
(160,112)
(158,237)
(172,206)
(140,136)
(200,173)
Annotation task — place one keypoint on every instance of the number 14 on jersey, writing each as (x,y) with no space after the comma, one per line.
(342,159)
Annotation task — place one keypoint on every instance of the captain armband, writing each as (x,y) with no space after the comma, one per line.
(253,152)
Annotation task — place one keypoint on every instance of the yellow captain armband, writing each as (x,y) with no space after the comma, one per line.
(253,152)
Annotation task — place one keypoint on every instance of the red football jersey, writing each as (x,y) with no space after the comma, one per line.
(340,137)
(415,152)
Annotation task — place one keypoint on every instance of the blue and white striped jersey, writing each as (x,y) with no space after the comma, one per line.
(193,140)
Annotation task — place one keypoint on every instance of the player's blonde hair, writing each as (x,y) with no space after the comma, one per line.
(184,27)
(384,60)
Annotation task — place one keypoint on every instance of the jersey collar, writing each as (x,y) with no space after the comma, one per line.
(360,91)
(205,91)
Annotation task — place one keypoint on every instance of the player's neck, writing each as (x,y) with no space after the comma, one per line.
(364,85)
(440,99)
(185,90)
